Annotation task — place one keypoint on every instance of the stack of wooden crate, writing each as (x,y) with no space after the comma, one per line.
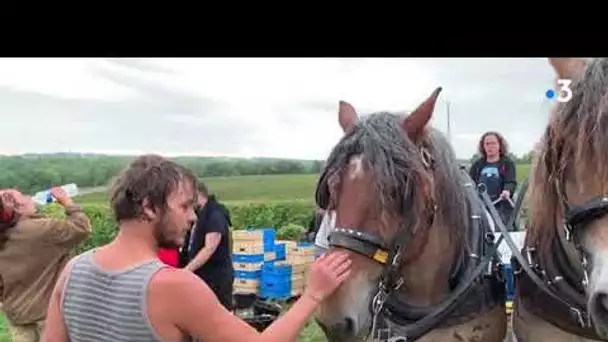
(247,259)
(251,249)
(299,256)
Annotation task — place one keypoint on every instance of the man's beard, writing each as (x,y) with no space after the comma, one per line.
(162,241)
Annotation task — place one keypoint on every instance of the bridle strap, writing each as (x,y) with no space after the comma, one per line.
(594,209)
(359,242)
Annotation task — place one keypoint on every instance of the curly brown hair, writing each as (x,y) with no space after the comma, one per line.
(149,177)
(503,146)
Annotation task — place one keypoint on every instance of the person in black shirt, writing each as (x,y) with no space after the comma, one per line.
(496,171)
(208,252)
(314,224)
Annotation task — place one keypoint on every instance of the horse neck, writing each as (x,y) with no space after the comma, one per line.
(426,278)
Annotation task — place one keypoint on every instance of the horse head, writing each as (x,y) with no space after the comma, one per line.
(394,186)
(568,201)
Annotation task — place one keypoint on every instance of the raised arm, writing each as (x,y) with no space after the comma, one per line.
(326,274)
(213,236)
(70,231)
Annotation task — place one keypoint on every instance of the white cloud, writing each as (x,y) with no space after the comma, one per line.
(266,107)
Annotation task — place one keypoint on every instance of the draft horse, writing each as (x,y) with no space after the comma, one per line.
(562,270)
(424,261)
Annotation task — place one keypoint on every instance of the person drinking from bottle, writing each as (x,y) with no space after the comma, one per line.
(33,251)
(496,171)
(122,292)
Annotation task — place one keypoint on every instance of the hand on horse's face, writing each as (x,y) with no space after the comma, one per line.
(326,274)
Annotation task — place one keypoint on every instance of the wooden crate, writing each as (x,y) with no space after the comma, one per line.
(247,247)
(297,282)
(300,259)
(246,286)
(297,265)
(247,266)
(287,243)
(246,290)
(241,282)
(297,291)
(295,250)
(247,235)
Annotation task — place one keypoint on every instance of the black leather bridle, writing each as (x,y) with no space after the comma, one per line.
(571,295)
(576,218)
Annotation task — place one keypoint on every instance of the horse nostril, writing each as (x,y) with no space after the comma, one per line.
(349,326)
(599,313)
(600,305)
(321,325)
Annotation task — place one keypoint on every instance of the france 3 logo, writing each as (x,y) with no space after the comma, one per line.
(563,94)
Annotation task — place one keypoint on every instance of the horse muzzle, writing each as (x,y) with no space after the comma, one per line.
(342,331)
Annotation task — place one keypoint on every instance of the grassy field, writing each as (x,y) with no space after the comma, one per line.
(3,333)
(247,188)
(262,188)
(255,188)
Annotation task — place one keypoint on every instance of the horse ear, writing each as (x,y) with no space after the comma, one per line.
(567,67)
(347,115)
(414,124)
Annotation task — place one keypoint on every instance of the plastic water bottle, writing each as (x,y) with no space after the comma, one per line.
(45,197)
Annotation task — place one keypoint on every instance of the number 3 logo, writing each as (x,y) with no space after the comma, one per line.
(564,93)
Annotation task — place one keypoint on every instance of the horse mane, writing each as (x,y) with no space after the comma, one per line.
(400,179)
(574,145)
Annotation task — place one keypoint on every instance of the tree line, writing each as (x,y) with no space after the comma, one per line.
(35,172)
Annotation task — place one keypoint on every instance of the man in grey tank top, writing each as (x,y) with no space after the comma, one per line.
(122,292)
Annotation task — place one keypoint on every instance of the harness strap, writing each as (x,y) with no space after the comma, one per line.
(462,292)
(521,262)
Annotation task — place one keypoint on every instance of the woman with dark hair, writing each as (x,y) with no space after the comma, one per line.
(33,251)
(496,171)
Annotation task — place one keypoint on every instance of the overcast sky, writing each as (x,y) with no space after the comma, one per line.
(256,107)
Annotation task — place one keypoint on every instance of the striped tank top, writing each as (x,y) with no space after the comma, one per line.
(108,306)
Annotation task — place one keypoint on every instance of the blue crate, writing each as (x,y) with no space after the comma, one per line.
(276,281)
(269,237)
(510,283)
(274,295)
(279,249)
(269,247)
(248,274)
(275,290)
(272,271)
(270,234)
(269,263)
(247,257)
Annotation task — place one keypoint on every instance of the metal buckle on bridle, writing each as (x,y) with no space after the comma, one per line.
(377,305)
(384,289)
(581,319)
(584,264)
(568,231)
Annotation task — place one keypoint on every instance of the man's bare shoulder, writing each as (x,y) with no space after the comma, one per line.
(177,281)
(170,294)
